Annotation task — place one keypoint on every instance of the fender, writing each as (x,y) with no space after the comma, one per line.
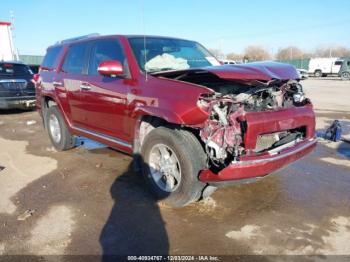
(192,116)
(63,112)
(165,114)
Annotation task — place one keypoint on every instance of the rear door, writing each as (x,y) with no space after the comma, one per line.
(71,78)
(104,99)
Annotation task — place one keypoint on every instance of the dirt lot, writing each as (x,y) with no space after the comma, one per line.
(89,202)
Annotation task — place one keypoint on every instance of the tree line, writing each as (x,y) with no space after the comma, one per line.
(257,53)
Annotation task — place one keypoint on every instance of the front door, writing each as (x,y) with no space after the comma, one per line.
(104,103)
(336,66)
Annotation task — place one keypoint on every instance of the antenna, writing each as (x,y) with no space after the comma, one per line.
(144,35)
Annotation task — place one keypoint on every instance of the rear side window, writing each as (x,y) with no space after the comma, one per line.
(9,69)
(74,61)
(104,50)
(50,60)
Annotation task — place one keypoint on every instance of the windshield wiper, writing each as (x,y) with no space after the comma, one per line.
(161,70)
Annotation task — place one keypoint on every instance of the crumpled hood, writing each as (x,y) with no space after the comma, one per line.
(264,71)
(256,71)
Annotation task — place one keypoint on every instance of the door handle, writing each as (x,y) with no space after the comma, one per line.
(85,86)
(57,83)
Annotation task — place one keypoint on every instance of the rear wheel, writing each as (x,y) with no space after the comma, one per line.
(345,76)
(59,134)
(172,160)
(318,73)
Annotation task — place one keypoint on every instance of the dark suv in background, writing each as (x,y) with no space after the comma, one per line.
(17,88)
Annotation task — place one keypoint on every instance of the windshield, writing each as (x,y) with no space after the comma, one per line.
(162,54)
(9,69)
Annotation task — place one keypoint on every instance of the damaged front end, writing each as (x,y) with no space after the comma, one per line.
(254,126)
(223,133)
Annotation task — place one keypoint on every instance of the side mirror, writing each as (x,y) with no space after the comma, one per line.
(110,68)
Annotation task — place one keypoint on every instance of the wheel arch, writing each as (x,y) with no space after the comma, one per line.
(318,70)
(146,123)
(48,101)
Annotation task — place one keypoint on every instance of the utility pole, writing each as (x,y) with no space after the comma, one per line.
(12,36)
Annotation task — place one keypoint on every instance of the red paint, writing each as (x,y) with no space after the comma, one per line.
(259,123)
(114,106)
(5,23)
(259,169)
(109,68)
(36,77)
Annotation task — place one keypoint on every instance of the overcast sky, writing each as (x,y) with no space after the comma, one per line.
(227,24)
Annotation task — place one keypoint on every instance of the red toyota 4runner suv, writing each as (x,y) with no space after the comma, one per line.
(192,124)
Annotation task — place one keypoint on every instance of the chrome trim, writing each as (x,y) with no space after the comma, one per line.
(18,97)
(309,143)
(105,137)
(13,81)
(57,83)
(85,87)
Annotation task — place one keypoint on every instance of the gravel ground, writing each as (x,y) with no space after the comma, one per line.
(90,202)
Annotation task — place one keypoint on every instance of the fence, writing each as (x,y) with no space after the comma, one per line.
(298,63)
(31,59)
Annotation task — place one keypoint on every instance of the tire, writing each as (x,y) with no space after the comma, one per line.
(318,73)
(345,76)
(182,146)
(59,134)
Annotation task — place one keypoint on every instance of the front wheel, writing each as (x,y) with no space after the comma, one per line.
(172,160)
(345,76)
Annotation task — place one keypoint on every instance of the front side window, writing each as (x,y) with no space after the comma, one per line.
(74,61)
(161,54)
(338,62)
(105,50)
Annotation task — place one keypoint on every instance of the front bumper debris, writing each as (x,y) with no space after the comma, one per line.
(259,166)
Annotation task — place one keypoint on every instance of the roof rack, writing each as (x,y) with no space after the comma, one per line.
(69,40)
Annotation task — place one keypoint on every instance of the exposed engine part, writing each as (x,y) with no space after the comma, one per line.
(222,115)
(223,133)
(298,96)
(215,151)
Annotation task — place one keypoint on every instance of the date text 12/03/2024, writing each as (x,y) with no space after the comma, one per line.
(173,258)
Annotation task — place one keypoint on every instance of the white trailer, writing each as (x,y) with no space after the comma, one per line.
(7,50)
(324,66)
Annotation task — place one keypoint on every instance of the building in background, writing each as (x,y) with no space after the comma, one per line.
(8,52)
(7,49)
